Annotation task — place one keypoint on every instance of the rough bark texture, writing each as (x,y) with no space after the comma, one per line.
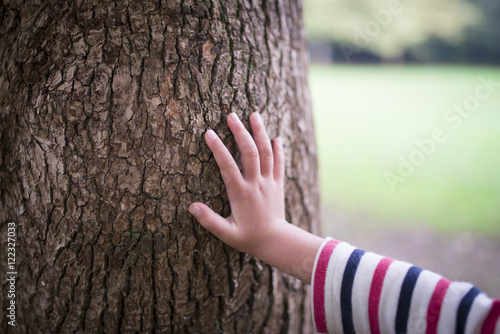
(103,107)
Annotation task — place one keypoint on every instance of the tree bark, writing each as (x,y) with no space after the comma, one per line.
(103,108)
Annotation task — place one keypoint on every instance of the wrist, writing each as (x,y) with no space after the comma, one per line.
(291,250)
(269,239)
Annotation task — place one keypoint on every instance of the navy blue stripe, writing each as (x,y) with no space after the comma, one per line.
(346,290)
(405,296)
(464,308)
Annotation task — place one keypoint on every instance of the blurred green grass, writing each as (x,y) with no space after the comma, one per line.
(367,117)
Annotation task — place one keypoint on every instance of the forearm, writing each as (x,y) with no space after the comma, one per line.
(292,250)
(362,292)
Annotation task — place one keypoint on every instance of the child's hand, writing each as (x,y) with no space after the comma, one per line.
(256,196)
(257,222)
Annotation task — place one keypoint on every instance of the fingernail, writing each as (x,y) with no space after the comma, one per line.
(259,118)
(233,117)
(278,141)
(194,210)
(211,134)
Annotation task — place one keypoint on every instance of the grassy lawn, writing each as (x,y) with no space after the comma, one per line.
(370,119)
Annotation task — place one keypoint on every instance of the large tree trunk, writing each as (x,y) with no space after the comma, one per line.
(103,107)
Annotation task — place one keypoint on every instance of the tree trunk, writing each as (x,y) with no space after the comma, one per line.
(103,108)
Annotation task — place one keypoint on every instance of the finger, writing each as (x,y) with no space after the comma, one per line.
(213,222)
(246,145)
(228,168)
(279,160)
(263,144)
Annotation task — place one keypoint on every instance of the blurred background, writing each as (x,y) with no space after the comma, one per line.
(406,101)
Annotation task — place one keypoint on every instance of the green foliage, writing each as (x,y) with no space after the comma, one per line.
(480,45)
(388,27)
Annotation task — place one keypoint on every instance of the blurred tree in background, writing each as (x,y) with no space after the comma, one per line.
(480,43)
(422,31)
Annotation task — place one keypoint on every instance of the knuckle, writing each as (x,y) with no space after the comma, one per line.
(210,224)
(251,153)
(247,190)
(230,168)
(267,153)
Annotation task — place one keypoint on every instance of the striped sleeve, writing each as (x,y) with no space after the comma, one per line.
(354,291)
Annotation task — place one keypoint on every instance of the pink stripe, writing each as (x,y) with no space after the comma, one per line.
(375,292)
(435,304)
(319,285)
(492,318)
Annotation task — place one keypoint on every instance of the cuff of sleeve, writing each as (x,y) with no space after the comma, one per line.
(318,283)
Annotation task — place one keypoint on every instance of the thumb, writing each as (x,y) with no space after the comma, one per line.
(210,220)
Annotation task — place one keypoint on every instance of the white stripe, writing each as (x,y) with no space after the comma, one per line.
(389,296)
(361,291)
(312,279)
(426,283)
(333,284)
(448,316)
(478,312)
